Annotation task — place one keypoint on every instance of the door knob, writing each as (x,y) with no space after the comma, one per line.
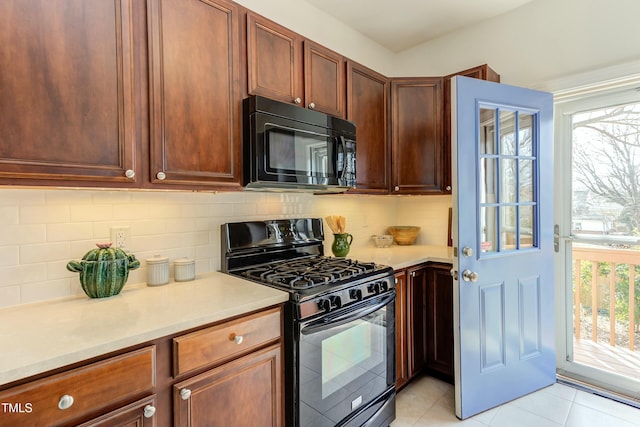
(467,251)
(469,276)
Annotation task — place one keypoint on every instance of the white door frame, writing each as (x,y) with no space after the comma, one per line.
(566,104)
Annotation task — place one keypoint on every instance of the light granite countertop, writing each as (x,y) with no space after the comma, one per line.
(43,336)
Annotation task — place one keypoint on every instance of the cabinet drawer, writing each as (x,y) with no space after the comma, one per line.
(85,390)
(222,342)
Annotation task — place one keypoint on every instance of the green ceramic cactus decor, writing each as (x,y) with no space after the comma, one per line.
(104,271)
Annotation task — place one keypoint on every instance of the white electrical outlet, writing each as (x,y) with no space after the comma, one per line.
(120,237)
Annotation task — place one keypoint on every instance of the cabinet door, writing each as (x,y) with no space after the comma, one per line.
(368,108)
(440,322)
(401,330)
(139,414)
(416,318)
(416,123)
(274,60)
(67,105)
(324,76)
(244,393)
(483,72)
(195,102)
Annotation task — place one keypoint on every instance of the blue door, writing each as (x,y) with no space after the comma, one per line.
(502,170)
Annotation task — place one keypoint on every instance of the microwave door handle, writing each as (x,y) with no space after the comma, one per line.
(331,322)
(343,143)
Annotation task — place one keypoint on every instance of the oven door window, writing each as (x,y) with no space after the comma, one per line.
(345,367)
(300,153)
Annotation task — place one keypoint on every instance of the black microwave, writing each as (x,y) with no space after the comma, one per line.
(289,148)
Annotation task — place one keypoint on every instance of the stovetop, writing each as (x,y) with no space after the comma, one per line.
(309,272)
(288,255)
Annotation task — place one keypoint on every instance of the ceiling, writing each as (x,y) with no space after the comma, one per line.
(401,24)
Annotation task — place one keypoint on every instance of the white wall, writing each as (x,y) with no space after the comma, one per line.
(42,229)
(541,41)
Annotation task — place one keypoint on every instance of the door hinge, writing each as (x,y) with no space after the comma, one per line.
(556,238)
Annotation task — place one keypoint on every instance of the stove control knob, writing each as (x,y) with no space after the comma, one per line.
(355,294)
(384,287)
(372,288)
(324,305)
(336,302)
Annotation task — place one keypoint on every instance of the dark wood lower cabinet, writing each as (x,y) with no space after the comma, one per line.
(424,322)
(245,392)
(417,319)
(439,324)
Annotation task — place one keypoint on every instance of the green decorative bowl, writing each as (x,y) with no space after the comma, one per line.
(104,271)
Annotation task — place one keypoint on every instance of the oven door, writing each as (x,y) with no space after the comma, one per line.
(347,366)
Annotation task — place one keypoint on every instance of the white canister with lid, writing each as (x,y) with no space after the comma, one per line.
(157,270)
(184,269)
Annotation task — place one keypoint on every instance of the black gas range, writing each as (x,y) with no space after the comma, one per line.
(339,321)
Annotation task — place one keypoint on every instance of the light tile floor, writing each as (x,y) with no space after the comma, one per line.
(430,402)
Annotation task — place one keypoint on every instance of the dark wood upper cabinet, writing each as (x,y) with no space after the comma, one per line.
(282,65)
(483,72)
(416,135)
(324,79)
(67,110)
(274,60)
(368,108)
(195,102)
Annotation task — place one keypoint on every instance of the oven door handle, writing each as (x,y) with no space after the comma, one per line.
(330,322)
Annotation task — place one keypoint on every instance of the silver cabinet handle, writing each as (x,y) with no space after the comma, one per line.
(297,101)
(185,394)
(130,173)
(65,402)
(161,176)
(149,411)
(467,251)
(397,188)
(448,188)
(312,106)
(238,339)
(469,276)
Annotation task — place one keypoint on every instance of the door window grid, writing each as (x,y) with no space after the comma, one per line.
(508,202)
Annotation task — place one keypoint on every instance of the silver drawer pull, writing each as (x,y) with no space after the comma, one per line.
(185,394)
(238,339)
(65,402)
(149,411)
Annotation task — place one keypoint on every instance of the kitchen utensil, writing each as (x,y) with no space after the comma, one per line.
(404,234)
(104,271)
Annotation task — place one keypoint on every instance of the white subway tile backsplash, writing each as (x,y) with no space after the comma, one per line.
(69,231)
(70,197)
(9,255)
(83,213)
(43,252)
(43,229)
(42,214)
(22,234)
(50,289)
(9,215)
(9,295)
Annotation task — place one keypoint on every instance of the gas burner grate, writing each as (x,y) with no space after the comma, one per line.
(306,273)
